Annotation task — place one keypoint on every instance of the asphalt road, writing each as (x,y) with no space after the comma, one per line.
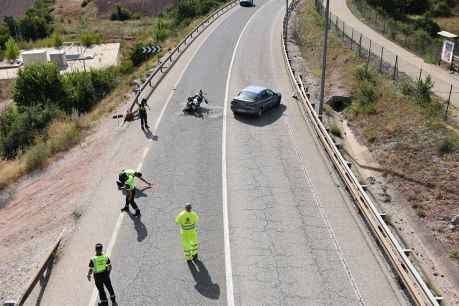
(295,237)
(284,249)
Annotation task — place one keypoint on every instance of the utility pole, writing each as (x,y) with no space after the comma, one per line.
(324,60)
(286,7)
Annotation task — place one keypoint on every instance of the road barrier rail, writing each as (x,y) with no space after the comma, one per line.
(39,275)
(166,63)
(409,276)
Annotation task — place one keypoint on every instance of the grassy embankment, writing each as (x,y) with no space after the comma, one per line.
(72,20)
(402,126)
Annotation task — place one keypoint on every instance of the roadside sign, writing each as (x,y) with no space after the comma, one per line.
(151,49)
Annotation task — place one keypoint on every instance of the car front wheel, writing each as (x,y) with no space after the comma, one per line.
(260,112)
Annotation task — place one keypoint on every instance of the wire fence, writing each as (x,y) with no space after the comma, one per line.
(399,68)
(404,34)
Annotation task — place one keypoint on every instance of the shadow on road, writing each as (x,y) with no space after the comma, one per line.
(269,117)
(204,284)
(140,228)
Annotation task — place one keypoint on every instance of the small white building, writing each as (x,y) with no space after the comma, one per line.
(58,57)
(34,57)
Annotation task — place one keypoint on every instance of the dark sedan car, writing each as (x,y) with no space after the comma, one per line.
(255,100)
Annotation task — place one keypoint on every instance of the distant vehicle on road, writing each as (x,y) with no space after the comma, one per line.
(255,100)
(246,2)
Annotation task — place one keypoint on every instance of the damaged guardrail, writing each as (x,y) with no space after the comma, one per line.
(168,62)
(39,275)
(409,276)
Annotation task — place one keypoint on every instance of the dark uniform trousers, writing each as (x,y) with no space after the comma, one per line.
(131,201)
(103,279)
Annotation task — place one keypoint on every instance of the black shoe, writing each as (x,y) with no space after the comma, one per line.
(113,299)
(137,213)
(124,209)
(147,127)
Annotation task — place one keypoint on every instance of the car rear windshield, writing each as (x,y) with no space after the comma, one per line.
(247,95)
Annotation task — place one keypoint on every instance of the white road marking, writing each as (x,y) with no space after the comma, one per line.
(228,266)
(119,222)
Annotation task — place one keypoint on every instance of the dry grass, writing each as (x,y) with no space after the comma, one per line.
(413,143)
(450,24)
(10,171)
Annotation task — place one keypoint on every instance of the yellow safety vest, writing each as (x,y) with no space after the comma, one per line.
(99,263)
(130,183)
(187,220)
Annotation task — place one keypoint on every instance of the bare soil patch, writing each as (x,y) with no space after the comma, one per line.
(14,7)
(146,7)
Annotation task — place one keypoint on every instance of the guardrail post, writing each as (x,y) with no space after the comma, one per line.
(395,67)
(343,30)
(360,45)
(420,74)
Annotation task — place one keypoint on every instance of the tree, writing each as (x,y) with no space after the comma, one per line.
(88,39)
(12,50)
(120,13)
(4,36)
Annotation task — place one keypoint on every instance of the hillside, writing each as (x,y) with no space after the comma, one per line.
(14,7)
(146,7)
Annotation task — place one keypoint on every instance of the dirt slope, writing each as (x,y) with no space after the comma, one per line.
(147,7)
(14,7)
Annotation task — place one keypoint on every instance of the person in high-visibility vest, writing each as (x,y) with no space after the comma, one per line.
(129,187)
(188,221)
(101,267)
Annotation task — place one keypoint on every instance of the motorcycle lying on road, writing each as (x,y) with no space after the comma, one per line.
(193,104)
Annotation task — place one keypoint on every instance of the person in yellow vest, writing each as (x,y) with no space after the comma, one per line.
(129,187)
(188,221)
(101,267)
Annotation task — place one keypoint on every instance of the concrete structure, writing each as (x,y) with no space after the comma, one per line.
(34,57)
(58,57)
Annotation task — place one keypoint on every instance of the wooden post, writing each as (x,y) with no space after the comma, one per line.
(369,54)
(395,67)
(380,59)
(448,102)
(352,37)
(360,45)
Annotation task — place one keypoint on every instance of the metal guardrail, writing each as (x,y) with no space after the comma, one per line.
(409,276)
(39,275)
(175,54)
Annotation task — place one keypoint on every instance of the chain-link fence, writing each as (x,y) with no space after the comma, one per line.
(398,68)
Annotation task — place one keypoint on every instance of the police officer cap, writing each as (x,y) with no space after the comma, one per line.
(99,246)
(188,206)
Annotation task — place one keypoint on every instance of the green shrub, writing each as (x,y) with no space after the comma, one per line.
(126,67)
(88,39)
(423,91)
(370,134)
(12,50)
(161,30)
(406,88)
(120,13)
(137,56)
(365,73)
(365,98)
(427,24)
(37,156)
(448,145)
(18,129)
(336,130)
(62,135)
(421,40)
(39,85)
(84,3)
(4,36)
(57,40)
(441,8)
